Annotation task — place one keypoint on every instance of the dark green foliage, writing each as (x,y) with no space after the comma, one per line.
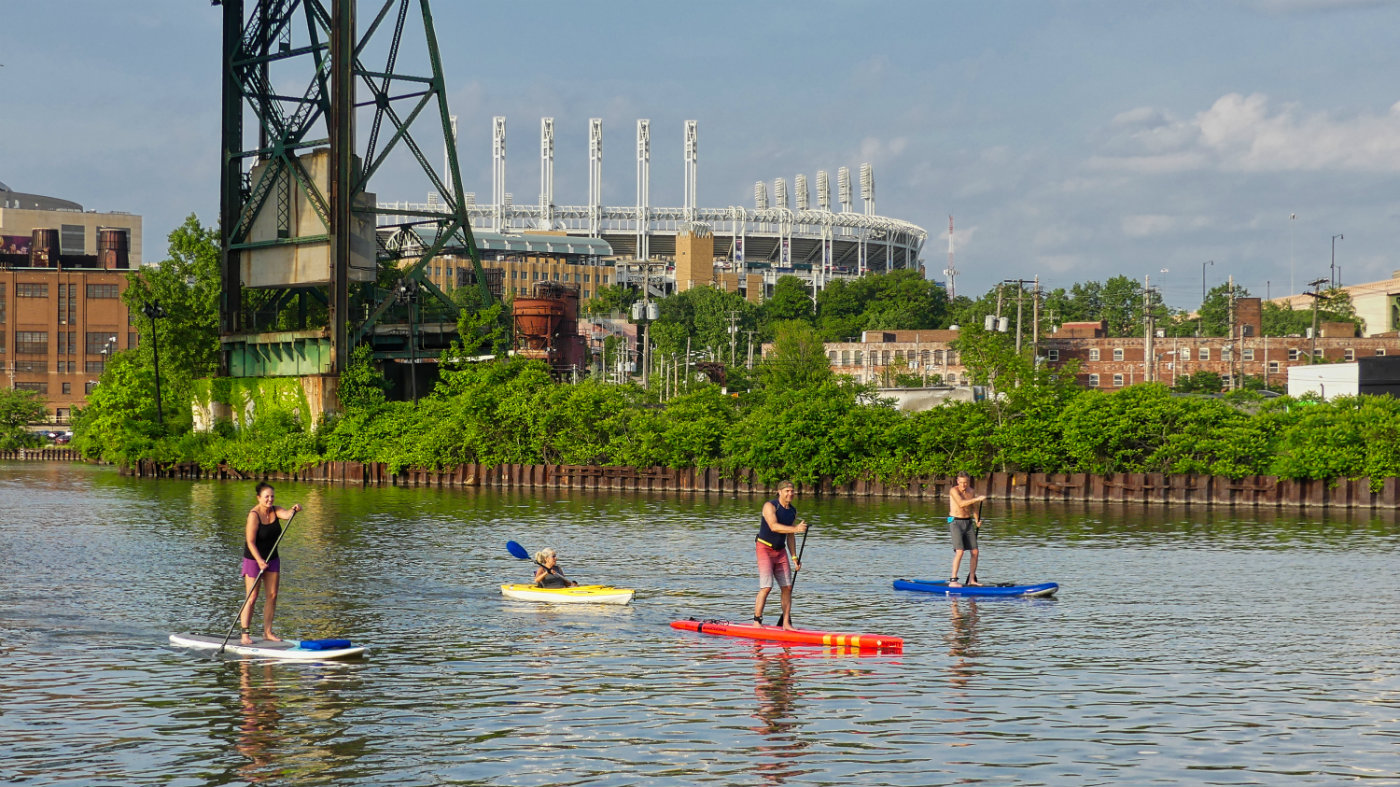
(17,409)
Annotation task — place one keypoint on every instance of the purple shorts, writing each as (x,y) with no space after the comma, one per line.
(250,567)
(772,566)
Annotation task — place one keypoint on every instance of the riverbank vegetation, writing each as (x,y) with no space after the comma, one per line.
(788,416)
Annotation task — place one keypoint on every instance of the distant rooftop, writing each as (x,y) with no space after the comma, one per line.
(21,200)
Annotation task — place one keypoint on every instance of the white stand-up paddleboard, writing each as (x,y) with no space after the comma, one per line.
(289,649)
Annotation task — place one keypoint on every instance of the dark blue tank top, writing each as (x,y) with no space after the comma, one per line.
(785,516)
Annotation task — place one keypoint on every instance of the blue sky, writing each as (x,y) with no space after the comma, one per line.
(1070,140)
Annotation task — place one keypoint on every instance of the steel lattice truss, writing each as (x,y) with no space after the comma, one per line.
(285,73)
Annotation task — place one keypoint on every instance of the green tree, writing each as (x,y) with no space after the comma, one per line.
(18,408)
(798,359)
(187,287)
(613,299)
(791,300)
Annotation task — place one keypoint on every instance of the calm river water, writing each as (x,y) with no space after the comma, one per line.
(1187,647)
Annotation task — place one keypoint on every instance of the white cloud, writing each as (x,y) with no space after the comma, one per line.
(1240,133)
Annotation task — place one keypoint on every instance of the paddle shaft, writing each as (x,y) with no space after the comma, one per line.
(254,588)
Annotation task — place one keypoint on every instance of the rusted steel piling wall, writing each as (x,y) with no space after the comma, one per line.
(42,455)
(1188,489)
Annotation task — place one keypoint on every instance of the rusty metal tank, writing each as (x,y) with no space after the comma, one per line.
(43,249)
(536,320)
(113,249)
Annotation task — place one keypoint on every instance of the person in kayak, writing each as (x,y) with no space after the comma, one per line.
(548,574)
(260,562)
(964,517)
(776,537)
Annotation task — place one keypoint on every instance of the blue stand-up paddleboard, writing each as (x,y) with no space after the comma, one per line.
(1007,590)
(287,649)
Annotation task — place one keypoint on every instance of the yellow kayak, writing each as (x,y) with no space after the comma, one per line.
(582,594)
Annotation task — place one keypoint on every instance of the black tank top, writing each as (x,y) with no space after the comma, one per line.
(785,516)
(266,538)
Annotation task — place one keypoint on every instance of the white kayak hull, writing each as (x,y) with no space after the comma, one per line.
(288,650)
(582,594)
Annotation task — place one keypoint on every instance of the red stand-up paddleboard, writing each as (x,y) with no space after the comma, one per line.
(834,639)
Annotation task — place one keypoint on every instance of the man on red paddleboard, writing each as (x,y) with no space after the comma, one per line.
(776,537)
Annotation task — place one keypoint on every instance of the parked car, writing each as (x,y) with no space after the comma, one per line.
(62,439)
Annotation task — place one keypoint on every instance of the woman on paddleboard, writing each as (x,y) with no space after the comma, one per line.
(260,561)
(775,539)
(548,574)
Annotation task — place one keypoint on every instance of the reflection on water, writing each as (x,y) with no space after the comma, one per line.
(1187,646)
(779,725)
(257,739)
(962,642)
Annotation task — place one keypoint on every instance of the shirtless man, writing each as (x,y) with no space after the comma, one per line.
(965,516)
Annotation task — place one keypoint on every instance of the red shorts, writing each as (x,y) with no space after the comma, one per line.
(772,566)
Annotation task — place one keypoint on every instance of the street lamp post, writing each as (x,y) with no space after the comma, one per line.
(408,294)
(1335,238)
(155,311)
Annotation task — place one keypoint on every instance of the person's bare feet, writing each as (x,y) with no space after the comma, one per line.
(270,637)
(247,638)
(972,581)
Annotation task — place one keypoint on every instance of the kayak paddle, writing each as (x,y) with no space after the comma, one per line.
(520,552)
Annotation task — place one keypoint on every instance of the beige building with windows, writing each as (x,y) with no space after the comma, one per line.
(62,275)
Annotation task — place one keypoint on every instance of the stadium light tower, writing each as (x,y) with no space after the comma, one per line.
(823,191)
(546,173)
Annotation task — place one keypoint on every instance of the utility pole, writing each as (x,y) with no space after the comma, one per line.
(749,364)
(1317,296)
(1149,363)
(1234,346)
(1020,290)
(1035,318)
(733,335)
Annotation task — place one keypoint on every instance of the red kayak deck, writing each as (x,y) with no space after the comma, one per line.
(779,634)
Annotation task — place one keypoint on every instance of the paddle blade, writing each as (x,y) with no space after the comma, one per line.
(517,550)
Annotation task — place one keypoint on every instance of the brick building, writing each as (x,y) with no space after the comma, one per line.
(1108,362)
(62,275)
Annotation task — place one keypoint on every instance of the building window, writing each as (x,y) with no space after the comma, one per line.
(831,357)
(2,342)
(1117,353)
(1094,355)
(94,367)
(1227,354)
(29,367)
(39,388)
(845,357)
(1249,353)
(2,302)
(1380,351)
(1349,354)
(1273,367)
(97,341)
(1052,355)
(1225,380)
(27,289)
(89,387)
(67,389)
(1203,354)
(860,357)
(1317,353)
(35,342)
(1294,353)
(1117,381)
(1093,381)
